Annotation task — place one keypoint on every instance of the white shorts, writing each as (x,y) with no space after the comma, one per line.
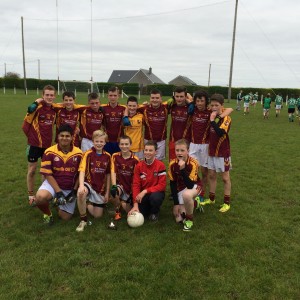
(278,106)
(161,149)
(93,196)
(219,164)
(199,152)
(180,198)
(246,104)
(124,196)
(254,101)
(86,144)
(265,110)
(139,155)
(68,207)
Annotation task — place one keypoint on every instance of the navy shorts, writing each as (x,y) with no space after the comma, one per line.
(112,147)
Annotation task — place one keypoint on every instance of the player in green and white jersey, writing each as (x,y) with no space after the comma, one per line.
(255,99)
(291,107)
(246,99)
(278,104)
(266,106)
(298,107)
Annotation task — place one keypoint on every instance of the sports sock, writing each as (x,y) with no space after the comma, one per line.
(227,199)
(45,208)
(30,194)
(83,217)
(189,217)
(212,196)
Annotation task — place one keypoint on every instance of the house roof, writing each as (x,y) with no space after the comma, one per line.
(152,76)
(121,76)
(186,79)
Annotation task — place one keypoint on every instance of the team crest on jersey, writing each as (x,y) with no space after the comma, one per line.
(123,166)
(48,116)
(113,114)
(56,158)
(98,164)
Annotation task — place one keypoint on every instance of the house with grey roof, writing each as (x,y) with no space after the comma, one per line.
(182,80)
(142,76)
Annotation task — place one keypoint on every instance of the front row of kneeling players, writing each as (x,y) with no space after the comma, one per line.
(132,184)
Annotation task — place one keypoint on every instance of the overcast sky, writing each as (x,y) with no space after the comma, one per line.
(174,37)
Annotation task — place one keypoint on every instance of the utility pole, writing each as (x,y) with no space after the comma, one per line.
(232,51)
(39,69)
(4,69)
(23,51)
(208,84)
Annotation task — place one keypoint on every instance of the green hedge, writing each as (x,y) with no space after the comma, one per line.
(133,88)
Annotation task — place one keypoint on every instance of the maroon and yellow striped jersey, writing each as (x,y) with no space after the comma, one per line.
(155,122)
(181,123)
(90,121)
(69,117)
(220,146)
(38,126)
(62,166)
(124,167)
(96,166)
(113,121)
(191,168)
(200,126)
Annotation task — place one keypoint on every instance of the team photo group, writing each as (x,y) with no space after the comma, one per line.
(101,153)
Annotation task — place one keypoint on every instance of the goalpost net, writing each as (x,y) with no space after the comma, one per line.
(80,86)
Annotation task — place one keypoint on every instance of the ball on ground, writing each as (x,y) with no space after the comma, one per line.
(135,219)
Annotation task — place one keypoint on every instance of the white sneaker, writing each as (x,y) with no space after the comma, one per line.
(81,226)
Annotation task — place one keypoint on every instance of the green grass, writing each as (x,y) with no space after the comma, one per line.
(251,252)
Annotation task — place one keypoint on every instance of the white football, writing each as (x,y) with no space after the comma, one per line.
(135,219)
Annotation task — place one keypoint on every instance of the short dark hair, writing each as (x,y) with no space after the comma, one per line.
(151,143)
(199,94)
(65,127)
(113,89)
(180,89)
(125,137)
(155,92)
(132,99)
(93,96)
(68,94)
(218,98)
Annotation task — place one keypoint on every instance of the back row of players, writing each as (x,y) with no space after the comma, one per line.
(114,138)
(292,102)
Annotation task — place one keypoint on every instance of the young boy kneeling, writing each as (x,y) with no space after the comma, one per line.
(185,184)
(94,180)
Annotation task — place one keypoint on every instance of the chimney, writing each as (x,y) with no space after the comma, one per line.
(150,71)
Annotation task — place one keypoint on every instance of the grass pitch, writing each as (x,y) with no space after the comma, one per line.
(251,252)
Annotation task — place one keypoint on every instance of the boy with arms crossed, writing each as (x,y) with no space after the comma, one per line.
(60,165)
(122,167)
(149,183)
(185,184)
(219,160)
(94,180)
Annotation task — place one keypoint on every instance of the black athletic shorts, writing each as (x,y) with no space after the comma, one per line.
(34,153)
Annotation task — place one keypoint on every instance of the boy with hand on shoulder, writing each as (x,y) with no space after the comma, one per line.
(219,160)
(122,167)
(94,180)
(185,184)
